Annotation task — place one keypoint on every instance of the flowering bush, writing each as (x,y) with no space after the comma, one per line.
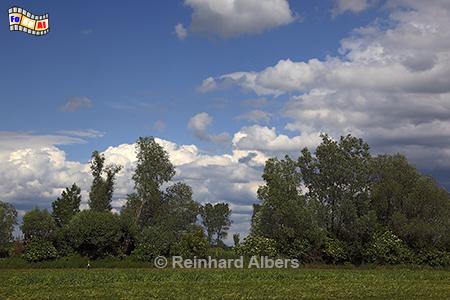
(257,246)
(39,250)
(387,248)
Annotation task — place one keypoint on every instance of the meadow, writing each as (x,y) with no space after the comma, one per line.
(149,283)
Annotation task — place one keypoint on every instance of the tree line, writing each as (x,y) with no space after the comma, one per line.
(154,221)
(339,204)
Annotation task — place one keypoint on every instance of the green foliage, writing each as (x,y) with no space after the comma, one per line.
(38,224)
(102,189)
(236,239)
(434,257)
(8,218)
(153,168)
(154,241)
(66,206)
(334,251)
(412,205)
(387,248)
(216,219)
(95,234)
(257,246)
(39,250)
(192,243)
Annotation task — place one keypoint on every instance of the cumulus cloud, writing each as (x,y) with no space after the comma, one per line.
(266,140)
(76,103)
(354,6)
(180,31)
(255,116)
(199,126)
(230,18)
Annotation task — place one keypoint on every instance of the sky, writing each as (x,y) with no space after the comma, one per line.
(223,85)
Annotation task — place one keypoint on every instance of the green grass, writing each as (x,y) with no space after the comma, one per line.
(306,283)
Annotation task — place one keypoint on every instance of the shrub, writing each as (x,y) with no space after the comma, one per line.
(257,246)
(145,252)
(387,248)
(39,250)
(334,251)
(434,257)
(192,244)
(95,234)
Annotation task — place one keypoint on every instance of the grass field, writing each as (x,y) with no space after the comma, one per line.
(307,283)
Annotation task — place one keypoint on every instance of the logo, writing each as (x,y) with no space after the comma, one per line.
(22,20)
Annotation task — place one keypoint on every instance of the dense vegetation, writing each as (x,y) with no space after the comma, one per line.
(338,205)
(344,205)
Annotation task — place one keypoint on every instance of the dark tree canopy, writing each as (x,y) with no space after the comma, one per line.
(102,187)
(38,225)
(66,206)
(339,201)
(8,218)
(153,168)
(216,220)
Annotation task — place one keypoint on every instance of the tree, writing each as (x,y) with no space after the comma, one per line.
(38,225)
(179,210)
(283,215)
(412,205)
(66,206)
(102,189)
(216,220)
(153,168)
(95,234)
(8,218)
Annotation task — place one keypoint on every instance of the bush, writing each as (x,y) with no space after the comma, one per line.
(192,244)
(95,234)
(39,250)
(145,252)
(334,251)
(257,246)
(434,257)
(387,248)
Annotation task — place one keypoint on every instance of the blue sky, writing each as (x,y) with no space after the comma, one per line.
(223,84)
(138,72)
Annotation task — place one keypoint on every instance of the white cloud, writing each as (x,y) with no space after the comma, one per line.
(255,116)
(89,133)
(180,31)
(199,126)
(76,103)
(230,18)
(354,6)
(266,139)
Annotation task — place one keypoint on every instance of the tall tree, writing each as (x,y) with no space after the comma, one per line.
(338,177)
(179,209)
(66,206)
(102,188)
(8,218)
(153,168)
(216,220)
(38,225)
(412,205)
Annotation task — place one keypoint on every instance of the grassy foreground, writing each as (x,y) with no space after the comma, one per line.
(308,283)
